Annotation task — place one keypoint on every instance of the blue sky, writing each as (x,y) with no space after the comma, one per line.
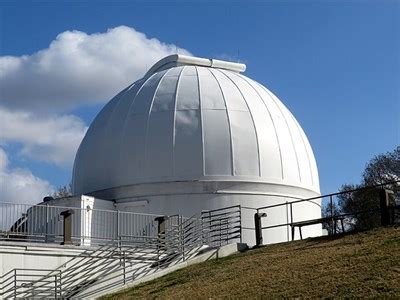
(334,64)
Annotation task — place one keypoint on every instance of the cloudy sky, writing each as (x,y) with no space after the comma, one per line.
(336,65)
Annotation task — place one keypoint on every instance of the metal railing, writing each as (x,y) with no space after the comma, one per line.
(293,212)
(43,223)
(130,257)
(220,224)
(19,281)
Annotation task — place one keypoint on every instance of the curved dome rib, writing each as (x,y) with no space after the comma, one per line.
(147,155)
(201,124)
(252,118)
(174,122)
(272,121)
(287,125)
(232,152)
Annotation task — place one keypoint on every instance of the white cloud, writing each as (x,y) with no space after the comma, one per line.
(20,185)
(38,90)
(3,159)
(78,68)
(53,139)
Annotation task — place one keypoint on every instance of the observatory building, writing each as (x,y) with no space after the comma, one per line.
(195,134)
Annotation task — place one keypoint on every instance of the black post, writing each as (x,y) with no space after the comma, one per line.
(161,224)
(240,223)
(67,228)
(161,227)
(291,219)
(333,225)
(258,227)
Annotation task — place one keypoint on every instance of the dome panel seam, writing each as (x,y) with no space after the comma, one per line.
(229,124)
(273,124)
(143,83)
(147,125)
(174,119)
(252,119)
(288,128)
(306,148)
(201,125)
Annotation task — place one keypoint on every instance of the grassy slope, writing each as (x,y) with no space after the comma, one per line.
(363,265)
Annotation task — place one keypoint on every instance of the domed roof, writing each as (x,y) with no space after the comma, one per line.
(191,119)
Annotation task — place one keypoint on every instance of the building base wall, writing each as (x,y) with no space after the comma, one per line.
(189,198)
(190,205)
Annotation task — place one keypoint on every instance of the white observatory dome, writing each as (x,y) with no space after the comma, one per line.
(192,119)
(194,134)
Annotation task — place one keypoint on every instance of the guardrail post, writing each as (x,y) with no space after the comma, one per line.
(182,237)
(55,286)
(258,227)
(117,229)
(240,222)
(60,288)
(47,224)
(67,228)
(203,236)
(287,220)
(333,224)
(123,257)
(15,283)
(161,230)
(291,219)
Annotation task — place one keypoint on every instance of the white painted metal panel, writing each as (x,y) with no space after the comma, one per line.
(164,99)
(133,149)
(268,144)
(210,92)
(233,98)
(159,147)
(292,159)
(188,156)
(190,71)
(174,71)
(92,150)
(301,150)
(217,143)
(145,96)
(283,132)
(187,96)
(244,144)
(114,134)
(313,163)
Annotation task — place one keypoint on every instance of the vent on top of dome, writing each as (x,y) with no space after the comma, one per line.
(177,60)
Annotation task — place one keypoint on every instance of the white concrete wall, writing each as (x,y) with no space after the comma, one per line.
(30,256)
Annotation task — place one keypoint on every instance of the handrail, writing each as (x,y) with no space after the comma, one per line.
(329,219)
(133,256)
(220,209)
(333,194)
(42,223)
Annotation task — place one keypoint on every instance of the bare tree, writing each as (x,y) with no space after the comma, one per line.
(383,168)
(63,191)
(364,203)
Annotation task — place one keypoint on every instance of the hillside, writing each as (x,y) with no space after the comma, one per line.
(365,264)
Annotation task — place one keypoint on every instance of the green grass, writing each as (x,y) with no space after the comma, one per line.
(365,264)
